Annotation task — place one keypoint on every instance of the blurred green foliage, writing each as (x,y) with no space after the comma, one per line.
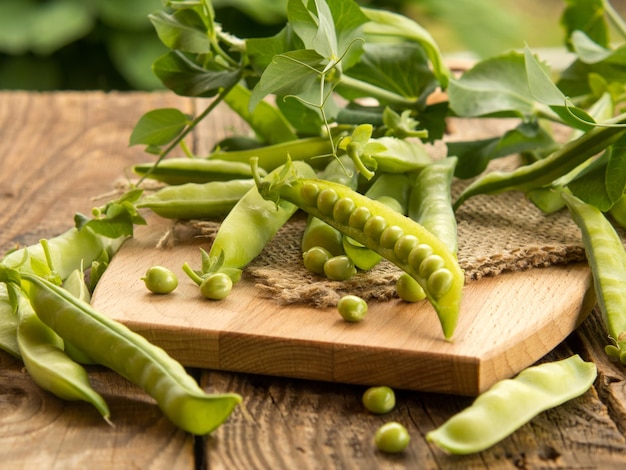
(110,44)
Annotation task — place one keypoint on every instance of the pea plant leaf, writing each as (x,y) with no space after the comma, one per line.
(546,92)
(495,86)
(586,16)
(474,156)
(183,30)
(159,127)
(603,181)
(183,76)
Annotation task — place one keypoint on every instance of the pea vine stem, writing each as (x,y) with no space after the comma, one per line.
(218,99)
(377,92)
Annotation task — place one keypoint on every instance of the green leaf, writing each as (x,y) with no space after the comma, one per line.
(261,51)
(183,30)
(159,127)
(587,50)
(184,77)
(545,91)
(493,86)
(474,156)
(402,69)
(291,73)
(385,24)
(586,16)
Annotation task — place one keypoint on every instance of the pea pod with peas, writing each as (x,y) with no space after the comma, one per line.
(394,236)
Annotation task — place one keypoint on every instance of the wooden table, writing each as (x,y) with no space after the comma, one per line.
(60,150)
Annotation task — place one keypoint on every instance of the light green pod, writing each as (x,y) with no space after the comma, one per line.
(197,201)
(115,346)
(193,170)
(511,403)
(8,324)
(42,352)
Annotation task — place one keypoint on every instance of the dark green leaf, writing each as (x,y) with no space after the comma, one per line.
(183,30)
(261,51)
(183,76)
(586,16)
(474,156)
(291,73)
(159,127)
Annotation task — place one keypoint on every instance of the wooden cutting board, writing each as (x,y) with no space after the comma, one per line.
(507,323)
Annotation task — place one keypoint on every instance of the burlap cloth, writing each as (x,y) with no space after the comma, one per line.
(496,234)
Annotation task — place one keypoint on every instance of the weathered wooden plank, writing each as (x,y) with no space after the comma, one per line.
(59,150)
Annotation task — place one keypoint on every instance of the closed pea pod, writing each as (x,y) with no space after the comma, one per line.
(607,260)
(194,170)
(430,201)
(511,403)
(117,347)
(367,222)
(197,201)
(41,350)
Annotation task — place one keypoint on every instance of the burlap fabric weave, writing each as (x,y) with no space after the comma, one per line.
(496,234)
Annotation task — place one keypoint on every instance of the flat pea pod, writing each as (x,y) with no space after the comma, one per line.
(193,170)
(544,171)
(375,226)
(309,149)
(430,201)
(197,201)
(607,260)
(41,350)
(251,224)
(115,346)
(511,403)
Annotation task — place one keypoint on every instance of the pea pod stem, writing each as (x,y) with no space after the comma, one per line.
(115,346)
(607,260)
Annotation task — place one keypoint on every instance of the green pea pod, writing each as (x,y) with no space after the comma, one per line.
(391,186)
(42,352)
(392,235)
(115,346)
(8,323)
(511,403)
(310,150)
(317,233)
(607,259)
(75,285)
(430,202)
(193,170)
(197,201)
(251,224)
(544,171)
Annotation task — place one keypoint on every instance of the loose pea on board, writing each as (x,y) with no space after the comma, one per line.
(374,225)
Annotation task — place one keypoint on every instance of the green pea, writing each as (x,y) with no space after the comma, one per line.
(440,282)
(392,438)
(419,254)
(309,193)
(430,264)
(216,286)
(379,400)
(339,268)
(315,258)
(160,280)
(352,308)
(390,236)
(403,247)
(359,217)
(408,289)
(343,210)
(374,227)
(326,200)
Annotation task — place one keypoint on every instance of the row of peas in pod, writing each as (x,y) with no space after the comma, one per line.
(375,198)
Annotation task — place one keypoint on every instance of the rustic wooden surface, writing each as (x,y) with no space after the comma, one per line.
(507,322)
(58,151)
